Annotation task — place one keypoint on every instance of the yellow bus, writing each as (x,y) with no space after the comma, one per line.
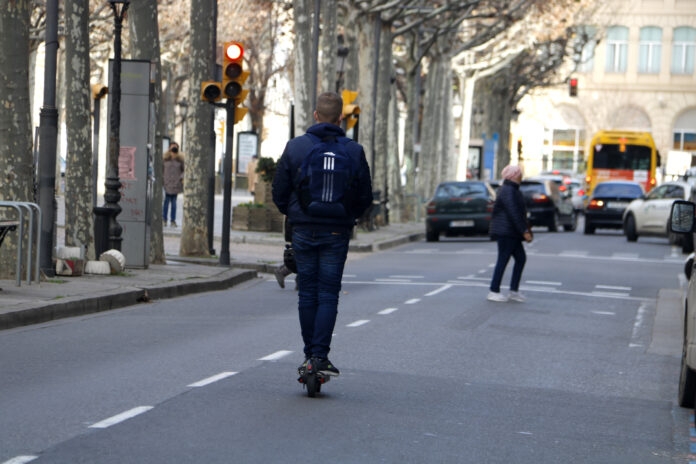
(622,155)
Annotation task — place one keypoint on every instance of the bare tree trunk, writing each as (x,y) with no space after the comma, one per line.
(79,224)
(329,42)
(145,45)
(396,198)
(381,123)
(16,163)
(303,64)
(194,236)
(366,63)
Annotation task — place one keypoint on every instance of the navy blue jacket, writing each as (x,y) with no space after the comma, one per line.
(509,217)
(285,196)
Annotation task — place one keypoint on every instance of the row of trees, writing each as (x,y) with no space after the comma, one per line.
(406,57)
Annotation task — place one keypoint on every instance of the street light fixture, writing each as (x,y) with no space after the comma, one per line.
(112,185)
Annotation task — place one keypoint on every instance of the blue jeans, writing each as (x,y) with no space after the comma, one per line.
(169,199)
(509,247)
(320,256)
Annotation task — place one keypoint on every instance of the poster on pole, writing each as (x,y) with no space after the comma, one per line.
(247,146)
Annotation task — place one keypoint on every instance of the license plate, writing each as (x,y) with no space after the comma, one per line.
(462,224)
(616,204)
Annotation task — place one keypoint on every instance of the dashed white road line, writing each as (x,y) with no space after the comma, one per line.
(543,282)
(613,287)
(384,312)
(118,418)
(358,323)
(276,356)
(407,277)
(212,379)
(20,460)
(439,290)
(640,316)
(604,313)
(412,301)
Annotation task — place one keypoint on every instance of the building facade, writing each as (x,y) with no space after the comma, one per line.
(637,74)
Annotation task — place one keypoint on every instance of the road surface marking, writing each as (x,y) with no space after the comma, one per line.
(640,316)
(384,312)
(391,280)
(604,313)
(412,301)
(275,356)
(358,323)
(612,287)
(20,460)
(213,379)
(441,289)
(543,282)
(118,418)
(407,277)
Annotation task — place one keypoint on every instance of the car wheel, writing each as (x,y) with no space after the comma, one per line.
(630,228)
(553,225)
(432,236)
(589,228)
(687,381)
(573,223)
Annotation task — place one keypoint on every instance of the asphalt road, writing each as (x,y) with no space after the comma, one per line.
(431,371)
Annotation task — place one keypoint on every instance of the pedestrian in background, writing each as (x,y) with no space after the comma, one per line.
(251,174)
(320,241)
(509,228)
(173,181)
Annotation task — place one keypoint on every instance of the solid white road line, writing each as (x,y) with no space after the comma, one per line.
(209,380)
(118,418)
(640,317)
(612,287)
(275,356)
(358,323)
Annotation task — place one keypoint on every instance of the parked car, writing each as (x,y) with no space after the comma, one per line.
(606,205)
(459,208)
(547,206)
(682,223)
(567,183)
(650,214)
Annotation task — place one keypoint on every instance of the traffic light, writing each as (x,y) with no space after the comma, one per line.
(233,74)
(211,91)
(350,110)
(99,90)
(573,86)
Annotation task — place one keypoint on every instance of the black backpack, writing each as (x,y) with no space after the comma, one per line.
(326,178)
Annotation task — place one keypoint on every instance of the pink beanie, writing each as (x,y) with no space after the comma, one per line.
(510,172)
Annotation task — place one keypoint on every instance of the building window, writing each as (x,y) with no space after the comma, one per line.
(567,153)
(684,140)
(650,50)
(617,49)
(584,48)
(683,50)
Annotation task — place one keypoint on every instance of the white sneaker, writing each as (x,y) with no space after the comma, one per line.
(517,296)
(497,296)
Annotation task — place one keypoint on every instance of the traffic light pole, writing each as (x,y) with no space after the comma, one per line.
(230,106)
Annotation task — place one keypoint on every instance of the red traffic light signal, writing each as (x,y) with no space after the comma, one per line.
(232,69)
(573,87)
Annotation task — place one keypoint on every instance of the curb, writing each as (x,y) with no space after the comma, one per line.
(119,298)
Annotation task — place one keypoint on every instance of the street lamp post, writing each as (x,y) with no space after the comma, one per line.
(112,185)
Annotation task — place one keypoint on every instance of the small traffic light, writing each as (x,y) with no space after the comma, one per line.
(573,86)
(233,74)
(211,91)
(350,110)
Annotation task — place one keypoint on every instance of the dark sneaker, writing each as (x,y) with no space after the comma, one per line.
(324,366)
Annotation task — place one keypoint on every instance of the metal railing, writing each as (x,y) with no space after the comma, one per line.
(29,214)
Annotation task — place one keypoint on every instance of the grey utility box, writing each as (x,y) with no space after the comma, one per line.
(135,160)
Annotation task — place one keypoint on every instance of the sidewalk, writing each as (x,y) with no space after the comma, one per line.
(251,253)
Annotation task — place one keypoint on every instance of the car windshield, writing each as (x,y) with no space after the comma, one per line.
(532,187)
(617,190)
(465,189)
